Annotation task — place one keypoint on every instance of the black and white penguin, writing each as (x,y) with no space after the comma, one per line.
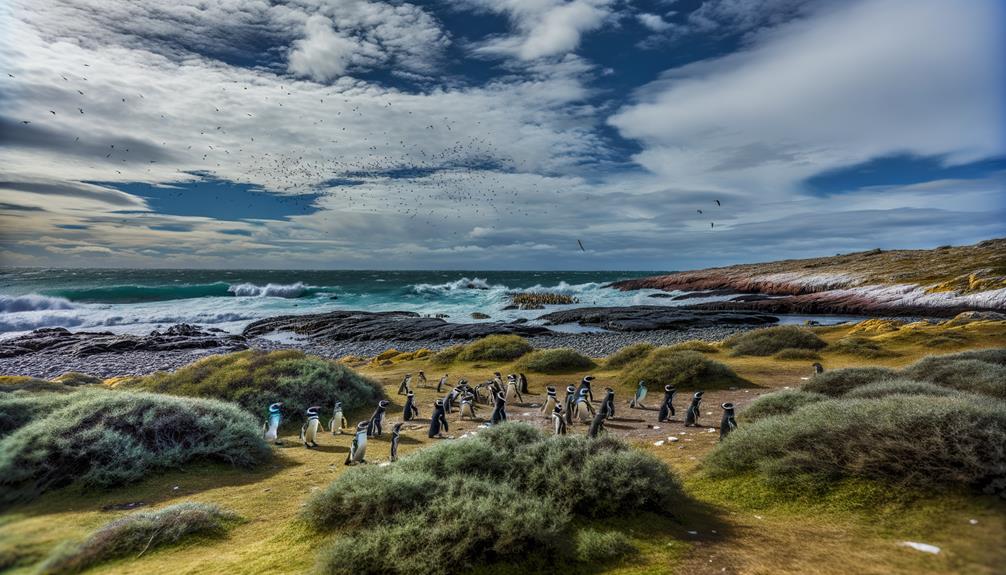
(499,410)
(377,420)
(550,402)
(309,431)
(403,388)
(512,389)
(818,368)
(338,422)
(467,405)
(667,407)
(438,421)
(568,403)
(411,411)
(597,425)
(608,403)
(557,420)
(453,396)
(395,432)
(270,429)
(422,378)
(442,383)
(728,423)
(523,383)
(637,399)
(358,449)
(692,415)
(584,410)
(585,384)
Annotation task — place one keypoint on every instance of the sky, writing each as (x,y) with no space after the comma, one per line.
(494,134)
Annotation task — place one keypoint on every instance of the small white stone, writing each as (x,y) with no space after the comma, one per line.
(672,439)
(656,427)
(973,521)
(693,532)
(759,517)
(658,443)
(924,547)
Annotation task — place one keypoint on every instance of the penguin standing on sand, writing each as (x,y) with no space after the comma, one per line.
(403,387)
(338,420)
(818,368)
(550,402)
(467,405)
(358,449)
(512,388)
(374,429)
(568,403)
(442,383)
(270,429)
(453,396)
(637,400)
(597,425)
(692,416)
(422,379)
(499,410)
(411,411)
(557,420)
(395,432)
(728,423)
(309,431)
(438,421)
(585,384)
(608,403)
(523,383)
(667,407)
(584,410)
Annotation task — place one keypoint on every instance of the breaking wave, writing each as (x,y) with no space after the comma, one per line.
(457,285)
(32,302)
(271,290)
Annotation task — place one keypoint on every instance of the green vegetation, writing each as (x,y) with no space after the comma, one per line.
(840,381)
(769,340)
(695,345)
(137,533)
(897,387)
(254,379)
(490,348)
(22,384)
(76,378)
(683,369)
(104,438)
(487,500)
(629,354)
(964,374)
(860,347)
(793,354)
(563,360)
(779,403)
(19,409)
(593,546)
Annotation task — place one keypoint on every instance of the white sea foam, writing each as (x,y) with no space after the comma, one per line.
(461,284)
(269,290)
(32,302)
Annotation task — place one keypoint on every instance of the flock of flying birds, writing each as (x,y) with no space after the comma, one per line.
(414,181)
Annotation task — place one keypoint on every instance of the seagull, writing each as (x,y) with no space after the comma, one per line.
(26,122)
(581,245)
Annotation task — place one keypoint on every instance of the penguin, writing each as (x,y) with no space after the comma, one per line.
(374,429)
(583,407)
(309,431)
(557,421)
(585,384)
(597,425)
(467,405)
(667,407)
(608,403)
(499,410)
(358,449)
(568,402)
(422,379)
(338,422)
(637,400)
(411,411)
(395,432)
(550,402)
(403,388)
(270,429)
(442,383)
(728,423)
(523,383)
(438,421)
(453,396)
(692,415)
(512,388)
(818,368)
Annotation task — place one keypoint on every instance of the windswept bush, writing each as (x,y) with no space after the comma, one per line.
(19,409)
(486,500)
(922,441)
(898,387)
(993,355)
(840,381)
(23,384)
(490,348)
(769,340)
(105,438)
(137,533)
(683,369)
(629,354)
(695,345)
(562,360)
(793,354)
(74,378)
(254,379)
(593,546)
(860,347)
(972,375)
(779,403)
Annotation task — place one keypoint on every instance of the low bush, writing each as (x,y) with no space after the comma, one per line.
(683,369)
(19,409)
(695,345)
(840,381)
(135,534)
(486,500)
(921,441)
(562,360)
(897,387)
(254,379)
(769,340)
(952,371)
(994,355)
(860,347)
(499,348)
(22,384)
(75,378)
(593,546)
(105,438)
(793,354)
(448,354)
(779,403)
(629,354)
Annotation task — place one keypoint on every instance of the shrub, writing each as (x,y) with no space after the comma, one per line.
(860,347)
(792,354)
(23,384)
(695,345)
(490,348)
(683,369)
(769,340)
(487,499)
(840,381)
(75,378)
(994,355)
(921,441)
(136,533)
(254,379)
(594,546)
(897,387)
(561,360)
(17,409)
(779,403)
(629,354)
(448,354)
(387,354)
(105,438)
(964,374)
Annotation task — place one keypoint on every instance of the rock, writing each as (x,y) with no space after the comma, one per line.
(970,316)
(392,325)
(83,343)
(661,296)
(646,318)
(479,315)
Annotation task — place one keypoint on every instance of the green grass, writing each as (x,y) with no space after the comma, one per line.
(487,500)
(19,409)
(898,387)
(18,384)
(860,347)
(695,345)
(795,354)
(76,378)
(770,340)
(137,533)
(683,369)
(840,381)
(562,360)
(779,403)
(490,348)
(629,354)
(964,374)
(254,379)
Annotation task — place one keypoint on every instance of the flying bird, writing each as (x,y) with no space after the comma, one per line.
(581,245)
(699,211)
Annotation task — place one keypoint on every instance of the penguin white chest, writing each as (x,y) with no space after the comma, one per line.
(273,431)
(361,446)
(311,433)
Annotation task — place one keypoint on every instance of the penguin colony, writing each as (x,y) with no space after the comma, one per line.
(576,406)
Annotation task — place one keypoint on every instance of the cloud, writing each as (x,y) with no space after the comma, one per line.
(322,54)
(654,22)
(541,28)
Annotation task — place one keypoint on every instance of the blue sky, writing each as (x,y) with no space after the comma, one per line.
(482,134)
